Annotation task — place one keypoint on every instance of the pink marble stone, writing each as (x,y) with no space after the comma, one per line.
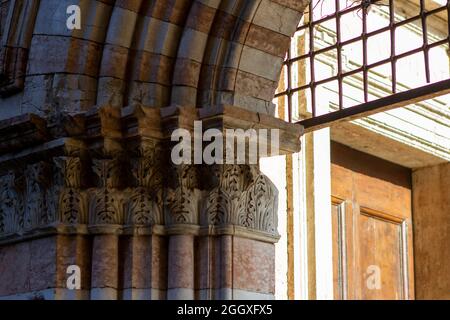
(181,262)
(28,266)
(105,262)
(253,266)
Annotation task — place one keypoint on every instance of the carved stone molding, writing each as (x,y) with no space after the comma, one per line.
(117,174)
(17,30)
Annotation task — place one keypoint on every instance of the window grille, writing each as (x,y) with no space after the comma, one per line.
(405,35)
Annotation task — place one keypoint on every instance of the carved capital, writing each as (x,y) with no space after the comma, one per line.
(11,204)
(183,195)
(106,201)
(145,204)
(69,200)
(241,195)
(37,178)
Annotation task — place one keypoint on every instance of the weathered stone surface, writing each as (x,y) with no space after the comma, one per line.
(249,38)
(86,179)
(253,266)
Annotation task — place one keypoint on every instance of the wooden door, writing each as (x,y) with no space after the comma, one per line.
(372,227)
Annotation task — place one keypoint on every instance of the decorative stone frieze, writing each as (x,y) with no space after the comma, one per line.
(119,173)
(87,171)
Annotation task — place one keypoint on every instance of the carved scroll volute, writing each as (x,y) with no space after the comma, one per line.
(69,198)
(17,27)
(37,177)
(11,204)
(106,201)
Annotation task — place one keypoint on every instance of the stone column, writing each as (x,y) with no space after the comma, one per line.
(181,264)
(105,218)
(153,229)
(105,267)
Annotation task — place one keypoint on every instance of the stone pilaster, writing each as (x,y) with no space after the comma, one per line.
(109,200)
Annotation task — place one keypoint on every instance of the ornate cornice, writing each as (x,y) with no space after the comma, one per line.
(110,174)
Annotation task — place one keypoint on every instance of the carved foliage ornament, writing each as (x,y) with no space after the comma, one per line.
(11,204)
(48,193)
(145,201)
(69,201)
(244,197)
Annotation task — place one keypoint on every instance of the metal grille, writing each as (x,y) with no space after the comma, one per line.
(330,21)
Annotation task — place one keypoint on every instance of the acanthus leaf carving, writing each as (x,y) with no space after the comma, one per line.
(183,195)
(144,206)
(106,201)
(37,178)
(11,204)
(69,200)
(242,196)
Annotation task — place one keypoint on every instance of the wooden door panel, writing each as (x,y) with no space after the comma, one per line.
(381,260)
(372,222)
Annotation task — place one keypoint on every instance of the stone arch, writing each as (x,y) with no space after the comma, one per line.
(191,53)
(94,161)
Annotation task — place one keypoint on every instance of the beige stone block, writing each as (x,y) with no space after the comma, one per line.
(186,73)
(192,45)
(232,7)
(52,16)
(149,94)
(276,17)
(258,87)
(268,41)
(201,17)
(114,62)
(221,27)
(184,96)
(298,5)
(211,3)
(132,5)
(56,54)
(150,67)
(110,92)
(121,27)
(173,11)
(157,36)
(261,63)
